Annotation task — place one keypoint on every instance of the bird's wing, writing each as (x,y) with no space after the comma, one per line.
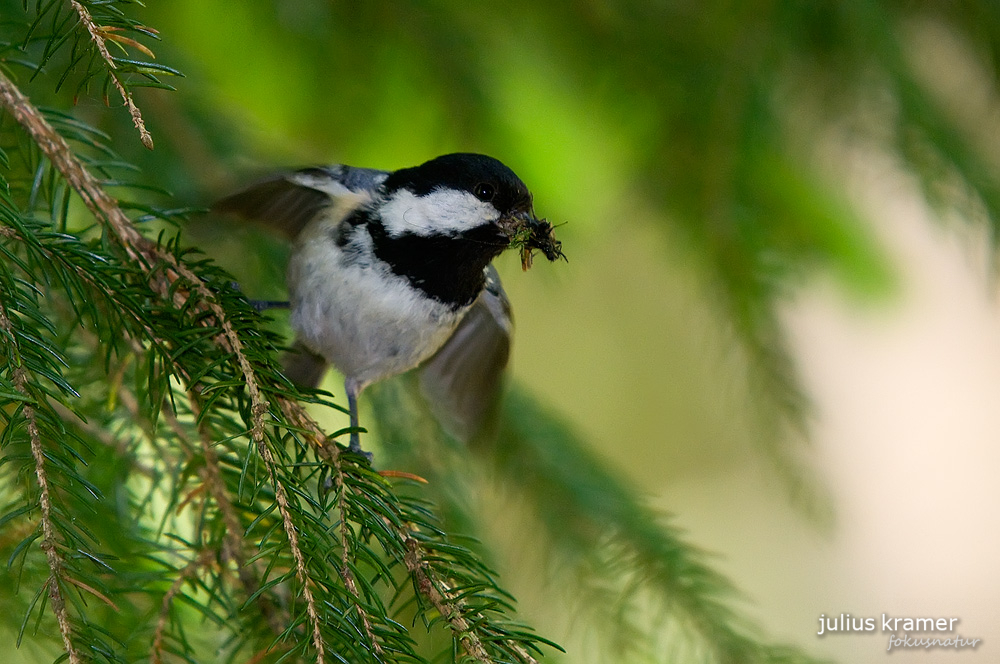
(287,203)
(462,381)
(290,201)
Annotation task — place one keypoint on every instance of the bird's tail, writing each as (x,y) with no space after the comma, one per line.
(302,366)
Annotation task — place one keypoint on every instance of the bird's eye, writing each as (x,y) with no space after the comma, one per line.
(484,191)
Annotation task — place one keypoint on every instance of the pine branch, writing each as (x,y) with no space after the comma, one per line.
(141,250)
(412,544)
(615,556)
(59,153)
(233,543)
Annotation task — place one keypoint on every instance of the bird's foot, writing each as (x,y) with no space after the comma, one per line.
(355,447)
(263,305)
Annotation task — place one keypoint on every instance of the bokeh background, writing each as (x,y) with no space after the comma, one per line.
(779,319)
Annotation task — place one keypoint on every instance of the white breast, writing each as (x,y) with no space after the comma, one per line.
(369,323)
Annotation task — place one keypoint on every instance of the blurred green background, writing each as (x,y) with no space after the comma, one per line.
(749,194)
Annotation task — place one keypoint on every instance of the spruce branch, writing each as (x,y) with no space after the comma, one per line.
(346,535)
(141,250)
(98,35)
(281,497)
(462,596)
(409,544)
(233,544)
(451,607)
(59,153)
(49,542)
(144,252)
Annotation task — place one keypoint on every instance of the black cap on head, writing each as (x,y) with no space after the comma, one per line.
(486,178)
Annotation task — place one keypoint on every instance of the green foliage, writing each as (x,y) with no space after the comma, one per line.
(163,494)
(707,113)
(628,569)
(159,472)
(127,450)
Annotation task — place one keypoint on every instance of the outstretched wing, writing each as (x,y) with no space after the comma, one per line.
(290,201)
(462,381)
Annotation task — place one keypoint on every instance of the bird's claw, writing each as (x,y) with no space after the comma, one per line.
(355,447)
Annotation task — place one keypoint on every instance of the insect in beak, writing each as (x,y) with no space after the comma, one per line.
(530,233)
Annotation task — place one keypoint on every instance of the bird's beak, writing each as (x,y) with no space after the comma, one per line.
(515,224)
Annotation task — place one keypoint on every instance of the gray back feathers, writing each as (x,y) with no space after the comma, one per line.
(289,201)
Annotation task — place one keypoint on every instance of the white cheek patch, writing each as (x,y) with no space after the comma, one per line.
(441,212)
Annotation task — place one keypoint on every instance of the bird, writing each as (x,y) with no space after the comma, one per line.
(392,270)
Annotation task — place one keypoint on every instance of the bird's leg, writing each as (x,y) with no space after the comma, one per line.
(261,305)
(264,305)
(353,389)
(352,403)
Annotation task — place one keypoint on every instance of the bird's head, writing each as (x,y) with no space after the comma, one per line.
(463,196)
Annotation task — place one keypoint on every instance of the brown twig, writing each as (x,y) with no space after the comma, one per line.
(293,544)
(57,150)
(93,591)
(437,591)
(204,558)
(98,36)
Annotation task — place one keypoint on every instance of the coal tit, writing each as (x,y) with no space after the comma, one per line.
(391,270)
